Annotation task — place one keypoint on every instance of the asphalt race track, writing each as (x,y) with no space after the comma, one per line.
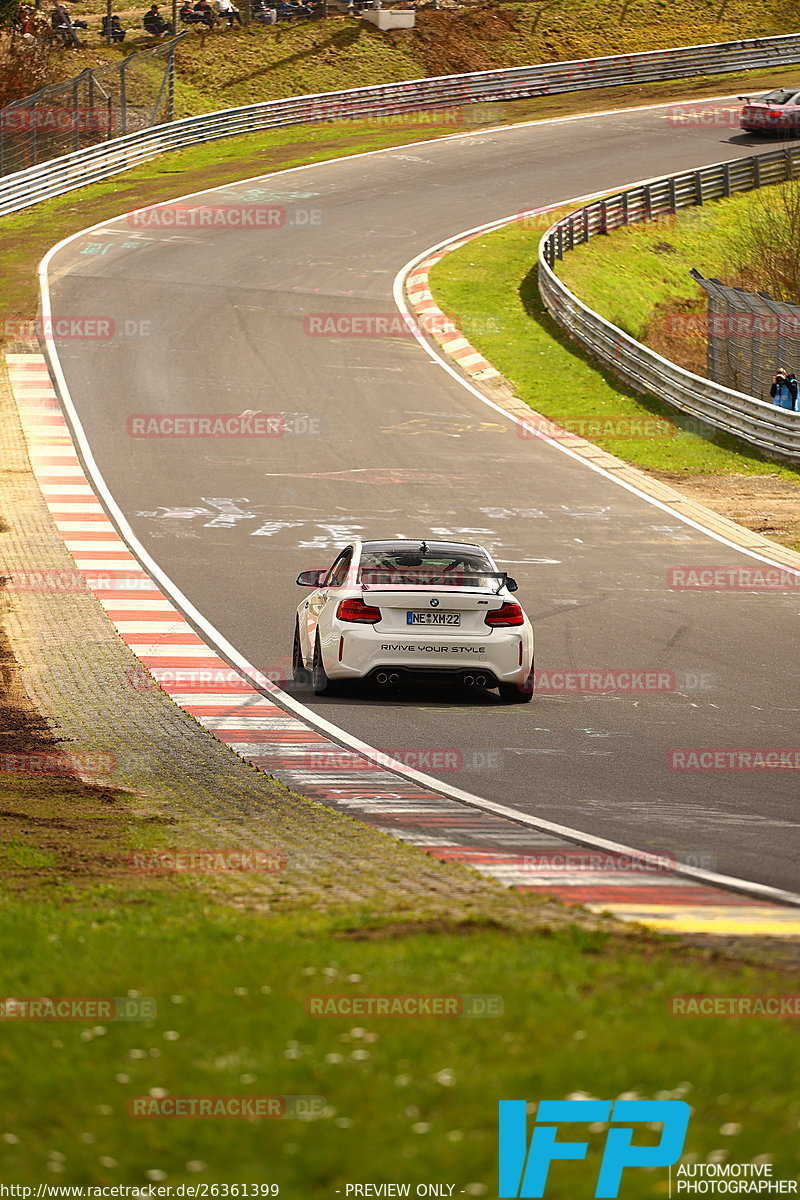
(403,450)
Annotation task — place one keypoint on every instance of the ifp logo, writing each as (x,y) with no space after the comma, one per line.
(524,1169)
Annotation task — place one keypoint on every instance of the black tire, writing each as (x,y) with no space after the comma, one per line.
(320,683)
(300,672)
(514,693)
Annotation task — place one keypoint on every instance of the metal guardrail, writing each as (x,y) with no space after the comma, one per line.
(83,167)
(762,424)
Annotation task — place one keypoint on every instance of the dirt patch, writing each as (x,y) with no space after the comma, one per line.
(449,43)
(766,504)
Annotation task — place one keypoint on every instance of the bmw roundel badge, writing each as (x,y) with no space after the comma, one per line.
(434,603)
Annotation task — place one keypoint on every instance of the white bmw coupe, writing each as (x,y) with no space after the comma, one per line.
(390,611)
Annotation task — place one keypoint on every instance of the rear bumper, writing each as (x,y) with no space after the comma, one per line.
(360,652)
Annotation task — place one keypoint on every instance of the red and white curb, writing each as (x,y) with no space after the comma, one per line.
(176,658)
(440,327)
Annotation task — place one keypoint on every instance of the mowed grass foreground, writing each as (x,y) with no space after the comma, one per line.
(405,1099)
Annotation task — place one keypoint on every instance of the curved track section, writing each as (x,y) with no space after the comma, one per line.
(402,449)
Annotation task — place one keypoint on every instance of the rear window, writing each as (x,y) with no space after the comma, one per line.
(437,566)
(779,96)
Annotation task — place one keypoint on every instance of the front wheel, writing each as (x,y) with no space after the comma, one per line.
(517,693)
(320,682)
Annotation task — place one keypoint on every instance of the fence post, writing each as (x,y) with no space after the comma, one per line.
(76,139)
(171,84)
(123,105)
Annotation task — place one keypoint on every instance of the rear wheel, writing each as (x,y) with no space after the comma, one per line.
(300,673)
(517,693)
(319,680)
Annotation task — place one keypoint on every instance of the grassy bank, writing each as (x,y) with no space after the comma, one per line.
(409,1099)
(245,66)
(639,277)
(496,274)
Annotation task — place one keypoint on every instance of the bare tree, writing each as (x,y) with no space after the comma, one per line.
(770,255)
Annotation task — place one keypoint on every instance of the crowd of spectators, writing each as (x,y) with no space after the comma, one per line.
(33,24)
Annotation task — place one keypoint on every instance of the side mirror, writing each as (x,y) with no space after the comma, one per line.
(511,584)
(310,579)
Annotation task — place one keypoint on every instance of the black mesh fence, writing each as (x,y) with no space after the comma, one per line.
(750,336)
(92,107)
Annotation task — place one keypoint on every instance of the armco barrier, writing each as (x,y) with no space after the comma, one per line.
(762,424)
(60,175)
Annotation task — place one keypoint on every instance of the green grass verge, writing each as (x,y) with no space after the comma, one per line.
(490,287)
(406,1099)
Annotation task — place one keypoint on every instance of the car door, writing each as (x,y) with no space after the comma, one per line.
(319,598)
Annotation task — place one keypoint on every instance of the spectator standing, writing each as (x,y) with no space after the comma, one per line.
(781,392)
(791,383)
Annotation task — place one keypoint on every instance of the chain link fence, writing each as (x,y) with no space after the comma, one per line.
(93,107)
(750,336)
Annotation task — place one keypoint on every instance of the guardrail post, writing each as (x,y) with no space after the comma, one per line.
(603,217)
(698,187)
(624,208)
(585,225)
(756,171)
(648,202)
(673,194)
(726,179)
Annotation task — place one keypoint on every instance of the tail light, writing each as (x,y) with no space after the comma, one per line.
(506,614)
(357,610)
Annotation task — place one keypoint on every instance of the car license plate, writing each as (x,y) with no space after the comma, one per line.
(433,618)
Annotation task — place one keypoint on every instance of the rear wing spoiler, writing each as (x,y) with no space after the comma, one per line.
(467,580)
